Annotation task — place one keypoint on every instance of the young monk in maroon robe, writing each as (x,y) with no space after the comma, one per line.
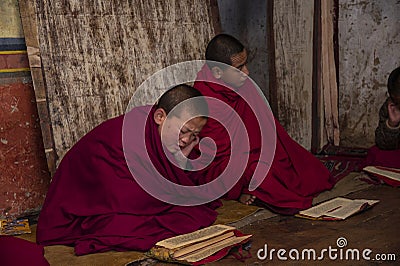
(386,152)
(96,204)
(295,175)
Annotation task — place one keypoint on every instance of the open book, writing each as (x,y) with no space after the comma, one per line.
(336,209)
(390,176)
(194,247)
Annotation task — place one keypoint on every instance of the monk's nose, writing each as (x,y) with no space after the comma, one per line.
(185,140)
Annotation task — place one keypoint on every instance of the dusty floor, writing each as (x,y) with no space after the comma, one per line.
(375,229)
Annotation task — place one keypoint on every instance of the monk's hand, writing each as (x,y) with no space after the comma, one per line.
(186,150)
(394,114)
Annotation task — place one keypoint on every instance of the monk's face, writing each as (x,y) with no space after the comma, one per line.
(178,133)
(237,74)
(395,100)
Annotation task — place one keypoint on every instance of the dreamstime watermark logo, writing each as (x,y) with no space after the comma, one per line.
(147,173)
(338,252)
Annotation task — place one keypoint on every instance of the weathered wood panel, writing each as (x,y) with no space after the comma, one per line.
(369,45)
(328,75)
(293,33)
(95,54)
(29,22)
(246,20)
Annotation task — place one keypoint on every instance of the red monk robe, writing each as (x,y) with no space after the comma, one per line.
(96,205)
(15,251)
(295,175)
(386,158)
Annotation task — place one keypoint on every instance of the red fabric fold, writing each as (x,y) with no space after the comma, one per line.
(16,252)
(95,204)
(386,158)
(295,176)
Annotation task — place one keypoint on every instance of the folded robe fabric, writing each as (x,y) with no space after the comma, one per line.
(16,252)
(95,204)
(293,176)
(386,158)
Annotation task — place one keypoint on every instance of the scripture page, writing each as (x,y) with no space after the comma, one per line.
(196,236)
(326,207)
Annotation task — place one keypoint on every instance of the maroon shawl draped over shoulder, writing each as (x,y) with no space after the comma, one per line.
(295,175)
(96,205)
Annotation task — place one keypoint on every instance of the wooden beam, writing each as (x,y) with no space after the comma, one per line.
(273,95)
(30,28)
(330,89)
(317,102)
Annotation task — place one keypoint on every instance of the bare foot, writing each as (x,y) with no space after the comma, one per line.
(247,199)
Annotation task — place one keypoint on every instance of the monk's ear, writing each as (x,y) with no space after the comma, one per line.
(159,116)
(217,72)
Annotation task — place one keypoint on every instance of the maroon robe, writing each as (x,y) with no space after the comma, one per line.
(95,204)
(16,252)
(386,158)
(295,175)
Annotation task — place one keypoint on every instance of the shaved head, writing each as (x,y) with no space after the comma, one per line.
(222,48)
(177,96)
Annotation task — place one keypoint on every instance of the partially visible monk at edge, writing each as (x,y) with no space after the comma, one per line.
(95,204)
(386,151)
(295,176)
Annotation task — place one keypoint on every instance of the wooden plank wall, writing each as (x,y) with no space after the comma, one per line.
(90,56)
(293,34)
(247,21)
(328,76)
